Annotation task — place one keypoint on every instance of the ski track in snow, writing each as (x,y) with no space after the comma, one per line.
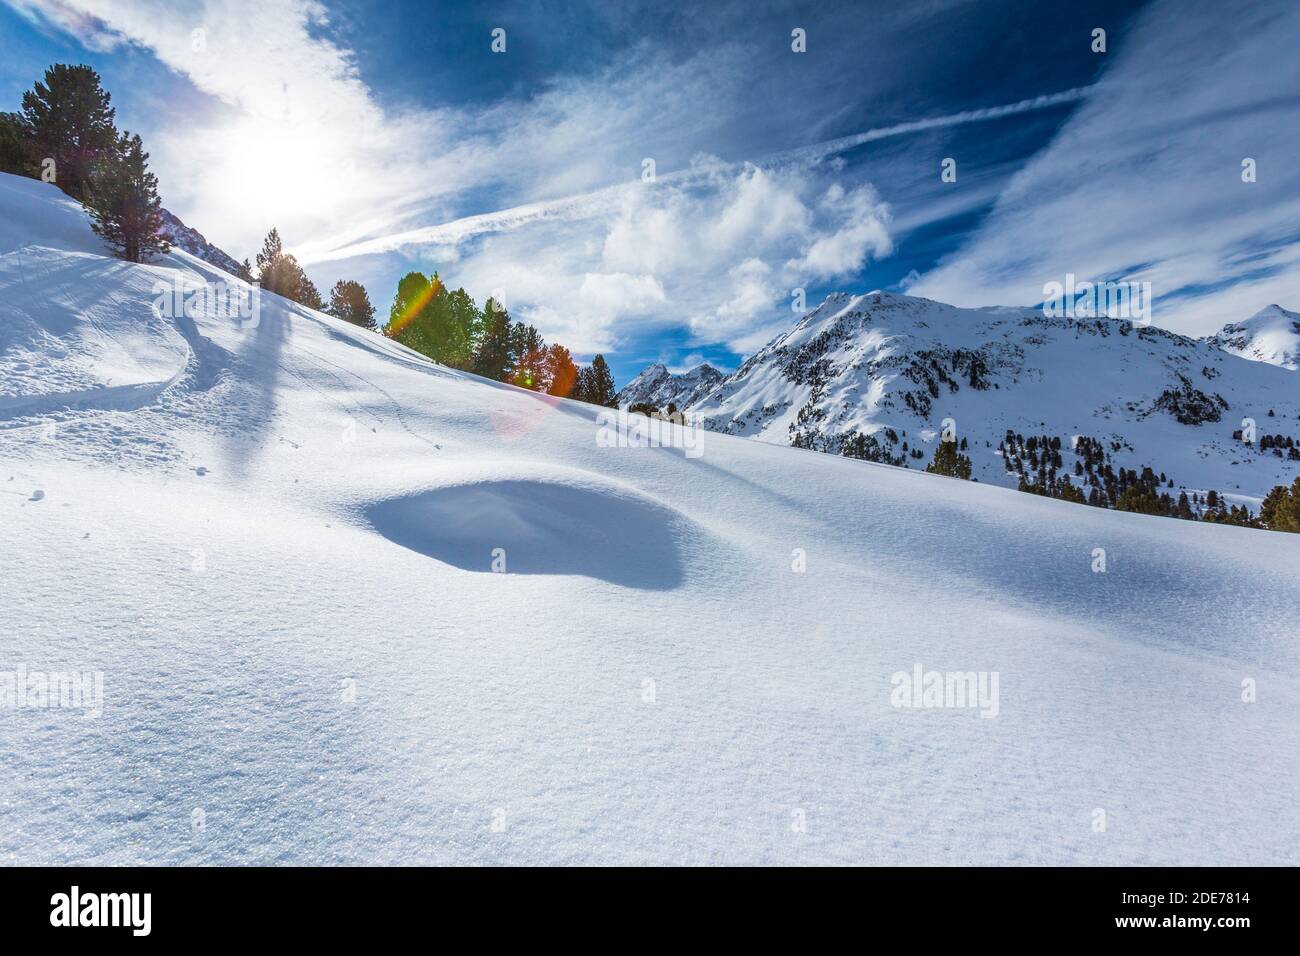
(308,657)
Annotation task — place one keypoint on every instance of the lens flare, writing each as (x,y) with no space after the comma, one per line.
(414,307)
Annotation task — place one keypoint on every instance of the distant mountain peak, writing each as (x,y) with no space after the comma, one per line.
(1271,335)
(657,386)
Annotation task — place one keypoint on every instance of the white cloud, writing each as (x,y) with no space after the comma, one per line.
(753,292)
(863,233)
(717,251)
(619,293)
(759,210)
(54,16)
(685,363)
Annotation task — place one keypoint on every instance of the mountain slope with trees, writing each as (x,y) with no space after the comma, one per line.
(1030,400)
(446,325)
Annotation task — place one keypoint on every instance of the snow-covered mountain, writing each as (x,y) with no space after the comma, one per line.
(879,374)
(349,606)
(1271,335)
(193,242)
(659,387)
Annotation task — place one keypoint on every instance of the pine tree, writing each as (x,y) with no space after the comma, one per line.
(460,327)
(949,461)
(1139,499)
(125,208)
(307,293)
(71,122)
(271,252)
(865,447)
(1068,492)
(492,354)
(349,302)
(279,272)
(560,374)
(15,145)
(582,387)
(527,356)
(599,388)
(1287,517)
(1281,508)
(405,323)
(443,324)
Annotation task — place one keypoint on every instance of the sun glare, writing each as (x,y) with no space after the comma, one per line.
(273,171)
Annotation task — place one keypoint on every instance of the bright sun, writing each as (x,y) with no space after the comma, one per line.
(273,171)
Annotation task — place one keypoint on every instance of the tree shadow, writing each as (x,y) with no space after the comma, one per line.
(260,367)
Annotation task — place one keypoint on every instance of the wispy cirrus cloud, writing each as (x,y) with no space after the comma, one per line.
(53,17)
(601,201)
(1146,178)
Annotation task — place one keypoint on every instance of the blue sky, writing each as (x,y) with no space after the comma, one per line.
(385,137)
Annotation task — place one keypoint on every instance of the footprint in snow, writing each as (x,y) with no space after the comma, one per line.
(37,495)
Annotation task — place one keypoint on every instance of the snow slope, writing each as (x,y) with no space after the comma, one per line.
(659,387)
(1271,335)
(882,364)
(277,545)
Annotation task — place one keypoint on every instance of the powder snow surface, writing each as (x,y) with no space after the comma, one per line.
(277,543)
